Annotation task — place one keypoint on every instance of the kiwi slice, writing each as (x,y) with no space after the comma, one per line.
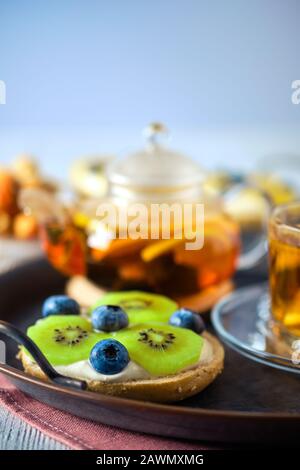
(64,339)
(161,349)
(141,307)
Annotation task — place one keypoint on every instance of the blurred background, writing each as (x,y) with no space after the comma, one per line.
(86,76)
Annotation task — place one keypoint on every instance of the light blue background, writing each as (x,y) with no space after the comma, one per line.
(85,76)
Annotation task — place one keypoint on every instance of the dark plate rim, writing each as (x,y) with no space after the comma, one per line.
(136,404)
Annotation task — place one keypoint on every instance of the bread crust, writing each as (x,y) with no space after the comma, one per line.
(88,293)
(164,389)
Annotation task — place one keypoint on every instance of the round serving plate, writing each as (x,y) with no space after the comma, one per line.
(249,402)
(244,322)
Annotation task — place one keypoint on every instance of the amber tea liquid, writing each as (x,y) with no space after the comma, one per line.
(284,252)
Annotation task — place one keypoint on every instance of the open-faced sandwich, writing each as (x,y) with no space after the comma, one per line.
(131,344)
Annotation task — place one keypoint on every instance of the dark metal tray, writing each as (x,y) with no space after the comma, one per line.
(249,402)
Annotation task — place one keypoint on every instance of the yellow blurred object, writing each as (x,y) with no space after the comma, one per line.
(156,249)
(292,319)
(248,207)
(25,227)
(276,189)
(81,220)
(218,182)
(88,177)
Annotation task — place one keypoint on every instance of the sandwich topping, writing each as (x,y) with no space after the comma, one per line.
(108,346)
(84,371)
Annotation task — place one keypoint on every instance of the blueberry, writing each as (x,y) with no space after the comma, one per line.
(109,318)
(60,305)
(186,318)
(109,357)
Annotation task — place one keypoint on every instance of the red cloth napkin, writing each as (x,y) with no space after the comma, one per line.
(79,433)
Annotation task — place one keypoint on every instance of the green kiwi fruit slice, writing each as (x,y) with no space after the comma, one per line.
(161,349)
(141,307)
(64,339)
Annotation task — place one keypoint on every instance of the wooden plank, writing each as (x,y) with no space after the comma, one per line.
(15,434)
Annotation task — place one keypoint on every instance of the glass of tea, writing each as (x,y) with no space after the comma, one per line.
(284,253)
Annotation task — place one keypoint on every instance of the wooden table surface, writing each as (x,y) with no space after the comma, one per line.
(15,434)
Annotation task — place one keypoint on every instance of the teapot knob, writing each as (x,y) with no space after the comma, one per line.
(155,132)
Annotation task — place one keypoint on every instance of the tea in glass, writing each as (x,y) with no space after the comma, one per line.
(284,252)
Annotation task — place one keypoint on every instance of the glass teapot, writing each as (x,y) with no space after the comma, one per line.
(189,246)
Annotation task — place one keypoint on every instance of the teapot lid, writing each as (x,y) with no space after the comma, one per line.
(155,166)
